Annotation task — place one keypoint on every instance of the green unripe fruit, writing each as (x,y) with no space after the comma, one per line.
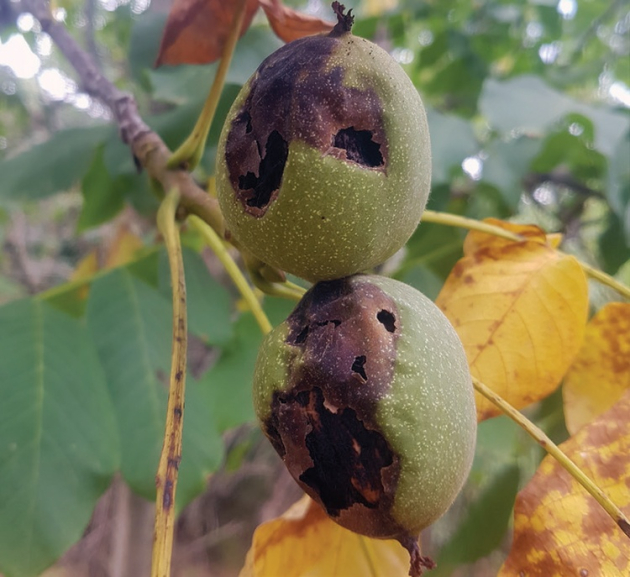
(324,163)
(365,393)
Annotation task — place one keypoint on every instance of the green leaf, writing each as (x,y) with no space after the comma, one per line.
(230,379)
(209,304)
(52,166)
(434,246)
(484,526)
(103,197)
(506,165)
(131,326)
(618,191)
(526,104)
(452,140)
(59,445)
(614,243)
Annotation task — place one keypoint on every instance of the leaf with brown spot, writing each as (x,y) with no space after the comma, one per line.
(520,310)
(559,529)
(304,541)
(601,372)
(289,24)
(196,30)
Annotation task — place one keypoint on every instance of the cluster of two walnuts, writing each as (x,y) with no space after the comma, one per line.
(323,171)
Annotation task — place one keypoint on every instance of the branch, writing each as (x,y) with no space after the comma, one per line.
(147,147)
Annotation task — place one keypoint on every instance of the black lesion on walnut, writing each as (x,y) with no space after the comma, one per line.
(258,189)
(358,366)
(387,319)
(347,458)
(359,147)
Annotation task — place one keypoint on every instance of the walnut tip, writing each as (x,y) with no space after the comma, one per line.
(344,21)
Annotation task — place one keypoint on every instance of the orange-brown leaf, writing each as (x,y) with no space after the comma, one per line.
(520,310)
(305,542)
(601,371)
(289,24)
(559,529)
(196,30)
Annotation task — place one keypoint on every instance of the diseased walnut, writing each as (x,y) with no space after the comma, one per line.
(324,163)
(365,393)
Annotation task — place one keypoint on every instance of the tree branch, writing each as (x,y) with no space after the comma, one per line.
(147,147)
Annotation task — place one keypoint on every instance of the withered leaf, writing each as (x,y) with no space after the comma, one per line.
(520,310)
(559,529)
(196,30)
(289,24)
(601,371)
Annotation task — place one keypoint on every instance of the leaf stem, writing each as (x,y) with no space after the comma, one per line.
(167,473)
(546,443)
(472,224)
(219,248)
(191,150)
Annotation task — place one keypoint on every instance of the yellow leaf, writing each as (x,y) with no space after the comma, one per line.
(477,240)
(559,529)
(520,310)
(85,269)
(304,542)
(123,248)
(601,372)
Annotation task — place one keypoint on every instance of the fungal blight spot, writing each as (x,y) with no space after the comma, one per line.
(258,190)
(342,476)
(359,147)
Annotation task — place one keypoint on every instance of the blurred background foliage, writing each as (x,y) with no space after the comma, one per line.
(529,110)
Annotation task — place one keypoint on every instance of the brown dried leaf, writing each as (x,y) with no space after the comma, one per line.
(601,371)
(196,30)
(520,310)
(290,25)
(559,529)
(304,542)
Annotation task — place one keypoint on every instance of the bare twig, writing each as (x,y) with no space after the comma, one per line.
(147,147)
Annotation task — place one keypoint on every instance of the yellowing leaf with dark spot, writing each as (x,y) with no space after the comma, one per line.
(196,30)
(559,529)
(476,240)
(305,542)
(601,372)
(520,310)
(289,24)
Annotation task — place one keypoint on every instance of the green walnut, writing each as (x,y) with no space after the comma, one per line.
(324,161)
(365,393)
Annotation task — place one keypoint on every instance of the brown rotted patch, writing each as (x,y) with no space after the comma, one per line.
(294,96)
(323,426)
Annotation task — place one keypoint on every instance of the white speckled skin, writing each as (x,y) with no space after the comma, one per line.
(428,415)
(333,217)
